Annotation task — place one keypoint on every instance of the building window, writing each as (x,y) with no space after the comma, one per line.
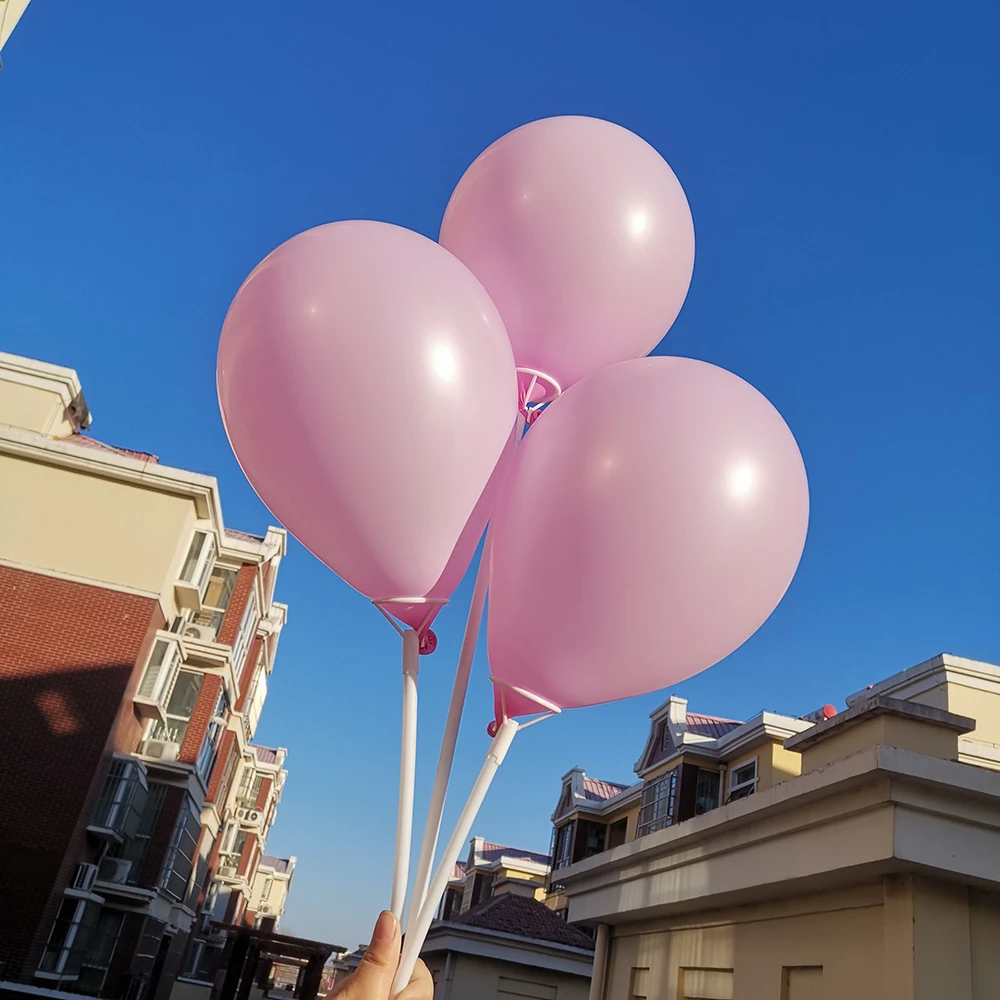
(210,745)
(248,625)
(203,961)
(133,849)
(179,862)
(161,672)
(122,798)
(617,833)
(743,780)
(249,789)
(198,563)
(563,853)
(255,700)
(594,838)
(204,625)
(656,807)
(232,764)
(100,946)
(706,797)
(482,888)
(180,708)
(67,939)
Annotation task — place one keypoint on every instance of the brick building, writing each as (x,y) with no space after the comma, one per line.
(137,636)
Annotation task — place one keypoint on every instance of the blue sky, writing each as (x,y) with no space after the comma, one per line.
(841,164)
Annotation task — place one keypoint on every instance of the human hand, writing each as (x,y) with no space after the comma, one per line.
(372,979)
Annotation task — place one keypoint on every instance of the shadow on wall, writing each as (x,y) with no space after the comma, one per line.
(55,727)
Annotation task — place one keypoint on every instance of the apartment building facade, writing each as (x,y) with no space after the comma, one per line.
(137,636)
(848,853)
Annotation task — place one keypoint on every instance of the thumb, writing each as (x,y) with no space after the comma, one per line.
(372,979)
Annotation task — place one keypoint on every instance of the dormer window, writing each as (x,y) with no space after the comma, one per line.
(666,743)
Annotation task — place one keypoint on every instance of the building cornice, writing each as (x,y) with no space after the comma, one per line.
(202,490)
(878,811)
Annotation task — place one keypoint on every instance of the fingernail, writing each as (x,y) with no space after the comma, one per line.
(385,928)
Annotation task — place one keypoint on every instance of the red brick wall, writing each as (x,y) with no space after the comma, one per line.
(227,750)
(248,864)
(246,674)
(237,605)
(68,655)
(265,791)
(204,710)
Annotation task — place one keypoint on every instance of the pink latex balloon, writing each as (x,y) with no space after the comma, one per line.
(652,521)
(368,390)
(582,236)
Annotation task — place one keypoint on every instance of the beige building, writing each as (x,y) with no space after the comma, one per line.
(496,938)
(137,640)
(860,860)
(270,889)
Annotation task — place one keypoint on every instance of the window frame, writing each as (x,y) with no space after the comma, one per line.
(743,788)
(661,804)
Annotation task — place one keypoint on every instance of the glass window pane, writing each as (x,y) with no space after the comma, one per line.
(194,553)
(220,588)
(185,695)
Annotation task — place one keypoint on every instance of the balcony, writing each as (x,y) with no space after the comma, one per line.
(159,677)
(121,801)
(190,587)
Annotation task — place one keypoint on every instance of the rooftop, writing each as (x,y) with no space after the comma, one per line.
(710,725)
(526,918)
(598,790)
(280,865)
(494,852)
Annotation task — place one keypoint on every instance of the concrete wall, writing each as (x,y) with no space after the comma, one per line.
(64,521)
(476,978)
(883,730)
(901,939)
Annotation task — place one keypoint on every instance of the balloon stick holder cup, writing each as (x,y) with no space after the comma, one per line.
(415,641)
(530,408)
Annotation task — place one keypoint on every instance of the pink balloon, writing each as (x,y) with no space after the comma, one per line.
(653,519)
(582,236)
(368,390)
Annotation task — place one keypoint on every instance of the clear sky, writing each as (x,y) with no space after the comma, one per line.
(841,161)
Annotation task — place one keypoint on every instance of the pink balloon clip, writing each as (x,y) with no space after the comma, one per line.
(528,403)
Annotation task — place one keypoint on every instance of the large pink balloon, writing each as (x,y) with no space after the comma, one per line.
(582,236)
(368,389)
(652,520)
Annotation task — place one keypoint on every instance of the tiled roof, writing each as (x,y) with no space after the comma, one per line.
(89,442)
(458,872)
(710,725)
(243,535)
(278,864)
(494,852)
(598,791)
(524,917)
(266,755)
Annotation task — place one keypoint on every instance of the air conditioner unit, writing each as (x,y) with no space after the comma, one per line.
(252,816)
(115,870)
(200,633)
(264,908)
(84,877)
(227,871)
(162,749)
